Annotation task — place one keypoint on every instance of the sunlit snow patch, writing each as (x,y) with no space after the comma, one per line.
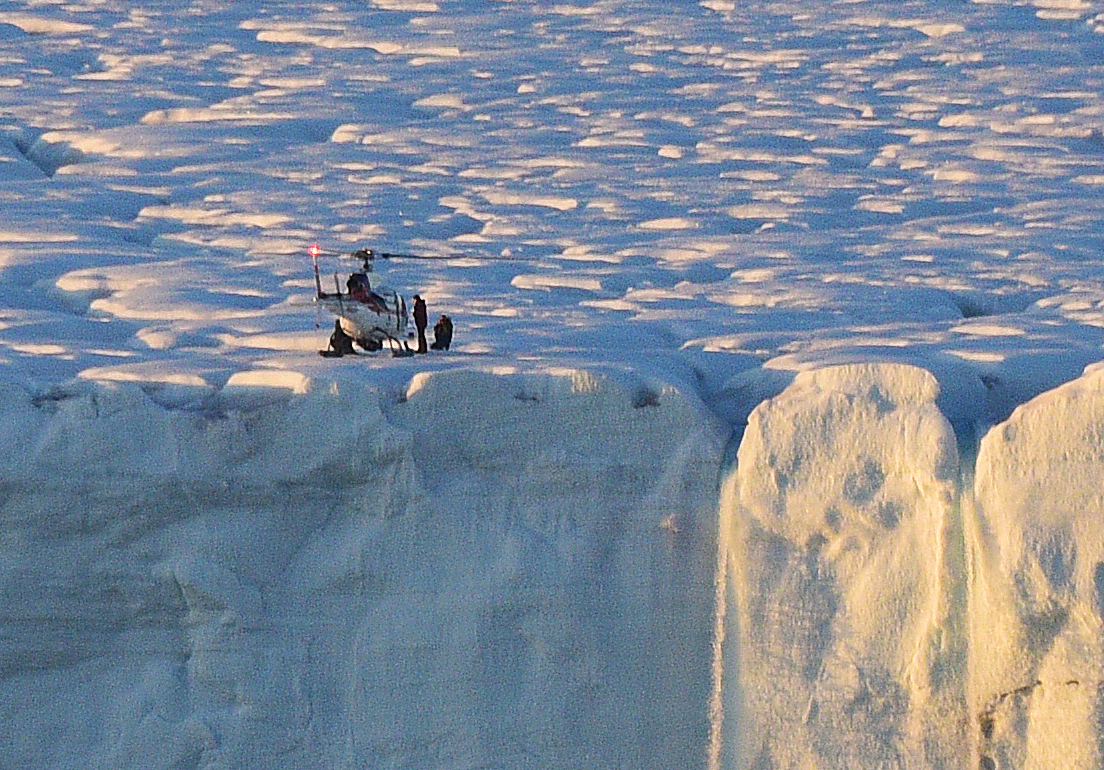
(669,223)
(548,282)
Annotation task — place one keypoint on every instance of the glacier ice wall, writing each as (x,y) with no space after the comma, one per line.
(889,603)
(477,571)
(1037,591)
(545,570)
(844,512)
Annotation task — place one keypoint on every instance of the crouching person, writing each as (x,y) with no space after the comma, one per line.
(442,333)
(341,344)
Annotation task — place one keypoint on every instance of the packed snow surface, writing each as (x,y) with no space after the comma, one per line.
(771,435)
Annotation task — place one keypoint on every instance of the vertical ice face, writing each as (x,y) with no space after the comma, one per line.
(838,523)
(1037,593)
(490,571)
(571,518)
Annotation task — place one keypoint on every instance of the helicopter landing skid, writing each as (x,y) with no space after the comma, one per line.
(398,348)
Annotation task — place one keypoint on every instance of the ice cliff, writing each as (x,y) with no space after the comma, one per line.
(1037,583)
(555,569)
(841,525)
(475,570)
(891,603)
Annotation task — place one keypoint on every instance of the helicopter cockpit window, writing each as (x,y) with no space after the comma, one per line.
(359,287)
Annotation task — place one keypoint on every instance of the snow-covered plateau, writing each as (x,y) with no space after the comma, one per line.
(771,436)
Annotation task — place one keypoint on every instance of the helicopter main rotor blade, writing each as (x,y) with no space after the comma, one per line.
(365,253)
(482,258)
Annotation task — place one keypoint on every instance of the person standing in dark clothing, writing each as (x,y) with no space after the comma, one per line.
(420,321)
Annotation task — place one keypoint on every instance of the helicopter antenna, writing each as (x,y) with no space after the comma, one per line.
(337,293)
(314,252)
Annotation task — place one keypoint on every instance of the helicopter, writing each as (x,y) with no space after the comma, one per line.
(368,316)
(374,317)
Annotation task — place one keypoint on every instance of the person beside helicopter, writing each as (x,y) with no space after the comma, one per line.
(421,320)
(442,333)
(341,344)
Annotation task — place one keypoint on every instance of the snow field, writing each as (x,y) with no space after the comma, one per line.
(803,186)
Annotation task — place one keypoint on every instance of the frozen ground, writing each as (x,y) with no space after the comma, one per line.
(656,219)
